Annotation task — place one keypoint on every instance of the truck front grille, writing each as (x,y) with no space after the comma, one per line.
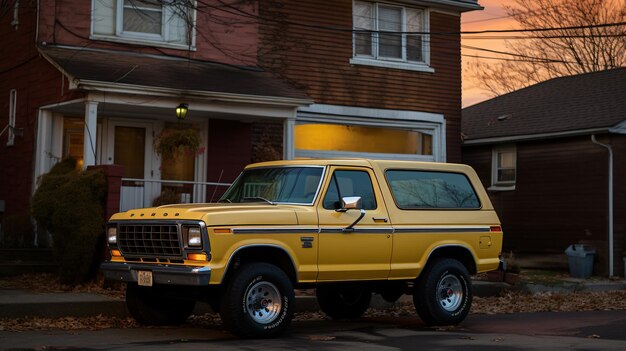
(150,240)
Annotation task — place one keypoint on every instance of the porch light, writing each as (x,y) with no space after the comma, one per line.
(181,111)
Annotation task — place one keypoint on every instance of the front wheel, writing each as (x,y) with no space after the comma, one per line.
(259,301)
(443,294)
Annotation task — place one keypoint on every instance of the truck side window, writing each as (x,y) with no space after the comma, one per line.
(414,189)
(350,183)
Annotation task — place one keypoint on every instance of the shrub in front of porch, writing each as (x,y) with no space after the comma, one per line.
(69,204)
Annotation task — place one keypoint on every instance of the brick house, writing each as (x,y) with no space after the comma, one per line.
(542,154)
(99,81)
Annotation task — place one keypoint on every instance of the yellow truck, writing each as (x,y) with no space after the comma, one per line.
(348,228)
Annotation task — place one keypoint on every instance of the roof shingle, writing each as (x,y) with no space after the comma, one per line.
(565,104)
(119,67)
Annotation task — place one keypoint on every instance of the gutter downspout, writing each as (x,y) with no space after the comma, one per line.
(608,147)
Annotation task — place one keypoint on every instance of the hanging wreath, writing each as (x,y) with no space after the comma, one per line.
(174,141)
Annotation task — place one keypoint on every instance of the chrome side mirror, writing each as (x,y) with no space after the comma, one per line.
(352,203)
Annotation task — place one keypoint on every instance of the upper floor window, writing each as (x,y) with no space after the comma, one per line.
(390,36)
(164,22)
(504,168)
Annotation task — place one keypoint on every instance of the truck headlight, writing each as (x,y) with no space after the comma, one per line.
(112,235)
(194,237)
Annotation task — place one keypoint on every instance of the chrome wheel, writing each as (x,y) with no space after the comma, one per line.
(263,302)
(450,292)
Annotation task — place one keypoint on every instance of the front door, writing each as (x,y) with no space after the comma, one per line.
(130,145)
(365,251)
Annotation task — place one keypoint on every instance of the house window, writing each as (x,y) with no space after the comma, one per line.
(332,131)
(390,36)
(362,139)
(164,22)
(504,167)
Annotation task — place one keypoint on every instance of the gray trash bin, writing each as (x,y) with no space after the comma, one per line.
(580,258)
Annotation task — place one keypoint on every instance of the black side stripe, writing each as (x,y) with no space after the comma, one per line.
(371,230)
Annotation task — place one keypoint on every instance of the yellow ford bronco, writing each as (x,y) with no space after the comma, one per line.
(348,228)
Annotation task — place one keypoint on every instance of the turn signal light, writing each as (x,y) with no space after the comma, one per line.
(116,253)
(196,257)
(496,228)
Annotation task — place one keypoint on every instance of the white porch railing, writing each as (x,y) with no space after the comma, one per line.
(144,191)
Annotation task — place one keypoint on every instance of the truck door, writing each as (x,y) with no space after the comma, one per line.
(363,252)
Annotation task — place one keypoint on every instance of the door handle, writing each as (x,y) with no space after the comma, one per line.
(380,219)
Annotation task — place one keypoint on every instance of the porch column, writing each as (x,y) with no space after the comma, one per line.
(91,125)
(289,129)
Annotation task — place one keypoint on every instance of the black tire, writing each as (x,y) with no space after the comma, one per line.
(443,293)
(343,301)
(149,307)
(258,302)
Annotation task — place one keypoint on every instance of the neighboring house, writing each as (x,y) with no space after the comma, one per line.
(99,81)
(542,153)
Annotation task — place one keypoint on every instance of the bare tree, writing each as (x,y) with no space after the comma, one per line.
(588,45)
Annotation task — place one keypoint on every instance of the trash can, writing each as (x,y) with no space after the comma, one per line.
(580,258)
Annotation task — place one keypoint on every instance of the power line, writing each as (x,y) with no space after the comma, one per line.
(536,59)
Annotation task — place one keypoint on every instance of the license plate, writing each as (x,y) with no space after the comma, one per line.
(144,278)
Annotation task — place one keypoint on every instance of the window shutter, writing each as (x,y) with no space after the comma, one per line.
(104,17)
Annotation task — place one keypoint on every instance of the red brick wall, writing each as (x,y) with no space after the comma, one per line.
(113,175)
(37,84)
(318,61)
(223,34)
(228,152)
(267,141)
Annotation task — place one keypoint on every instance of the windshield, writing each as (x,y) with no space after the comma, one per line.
(296,185)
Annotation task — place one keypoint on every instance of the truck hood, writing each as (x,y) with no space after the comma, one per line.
(218,214)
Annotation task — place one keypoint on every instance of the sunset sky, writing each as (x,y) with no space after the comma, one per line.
(492,17)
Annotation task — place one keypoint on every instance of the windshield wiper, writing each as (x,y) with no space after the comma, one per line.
(255,198)
(225,200)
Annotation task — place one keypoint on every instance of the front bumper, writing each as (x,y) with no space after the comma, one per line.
(168,275)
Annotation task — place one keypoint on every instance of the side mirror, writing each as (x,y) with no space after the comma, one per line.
(351,203)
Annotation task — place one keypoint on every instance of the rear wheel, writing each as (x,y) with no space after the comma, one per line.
(150,307)
(259,301)
(343,301)
(443,293)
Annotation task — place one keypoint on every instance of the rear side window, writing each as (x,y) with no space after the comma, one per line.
(431,190)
